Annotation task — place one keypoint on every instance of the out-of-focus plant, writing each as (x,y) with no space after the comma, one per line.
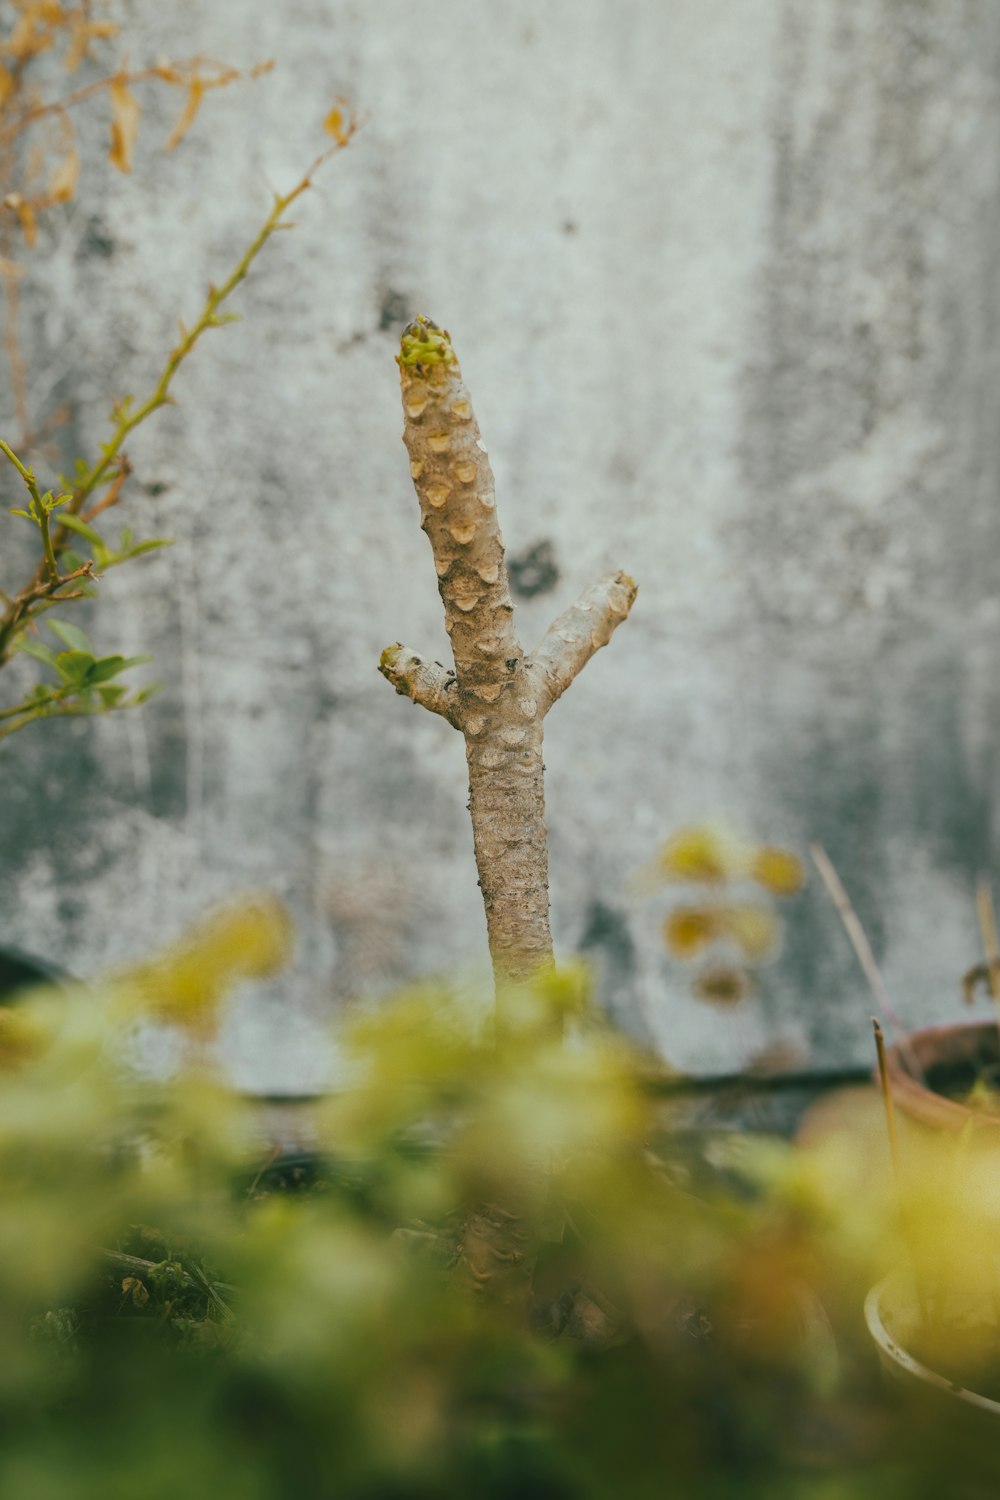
(39,170)
(177,1318)
(730,927)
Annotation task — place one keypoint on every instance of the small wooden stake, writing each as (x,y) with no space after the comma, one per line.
(988,928)
(890,1108)
(863,950)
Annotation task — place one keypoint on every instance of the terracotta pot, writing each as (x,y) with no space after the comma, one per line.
(958,1053)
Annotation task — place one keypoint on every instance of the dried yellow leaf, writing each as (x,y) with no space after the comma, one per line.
(31,34)
(63,181)
(29,219)
(334,124)
(778,871)
(195,94)
(125,112)
(689,930)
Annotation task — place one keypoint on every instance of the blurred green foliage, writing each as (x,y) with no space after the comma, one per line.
(184,1314)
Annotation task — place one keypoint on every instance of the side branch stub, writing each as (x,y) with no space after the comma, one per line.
(584,628)
(426,682)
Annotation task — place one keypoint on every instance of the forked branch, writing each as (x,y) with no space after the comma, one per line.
(497,696)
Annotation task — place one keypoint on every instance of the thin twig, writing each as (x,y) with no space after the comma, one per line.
(142,1267)
(62,703)
(890,1108)
(863,951)
(988,928)
(113,493)
(269,1162)
(182,74)
(38,507)
(11,344)
(126,418)
(21,606)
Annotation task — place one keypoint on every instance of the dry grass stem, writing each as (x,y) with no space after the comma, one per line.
(986,913)
(862,948)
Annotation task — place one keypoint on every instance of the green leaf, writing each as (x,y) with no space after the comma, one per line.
(144,694)
(26,514)
(111,693)
(115,559)
(39,651)
(110,666)
(75,524)
(151,545)
(74,666)
(71,636)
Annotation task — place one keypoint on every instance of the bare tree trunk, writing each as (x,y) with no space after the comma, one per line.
(496,695)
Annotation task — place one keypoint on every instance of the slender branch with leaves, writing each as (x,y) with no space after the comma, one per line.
(40,168)
(84,682)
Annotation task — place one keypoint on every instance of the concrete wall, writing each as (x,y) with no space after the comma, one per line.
(722,276)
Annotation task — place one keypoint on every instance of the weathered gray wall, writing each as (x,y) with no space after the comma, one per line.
(723,278)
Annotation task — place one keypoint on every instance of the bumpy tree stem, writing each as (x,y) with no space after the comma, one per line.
(497,696)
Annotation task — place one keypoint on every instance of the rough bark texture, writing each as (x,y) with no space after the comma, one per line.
(497,696)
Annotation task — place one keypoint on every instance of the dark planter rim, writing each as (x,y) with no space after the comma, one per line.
(954,1041)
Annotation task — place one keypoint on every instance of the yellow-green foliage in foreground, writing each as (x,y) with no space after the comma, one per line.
(177,1320)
